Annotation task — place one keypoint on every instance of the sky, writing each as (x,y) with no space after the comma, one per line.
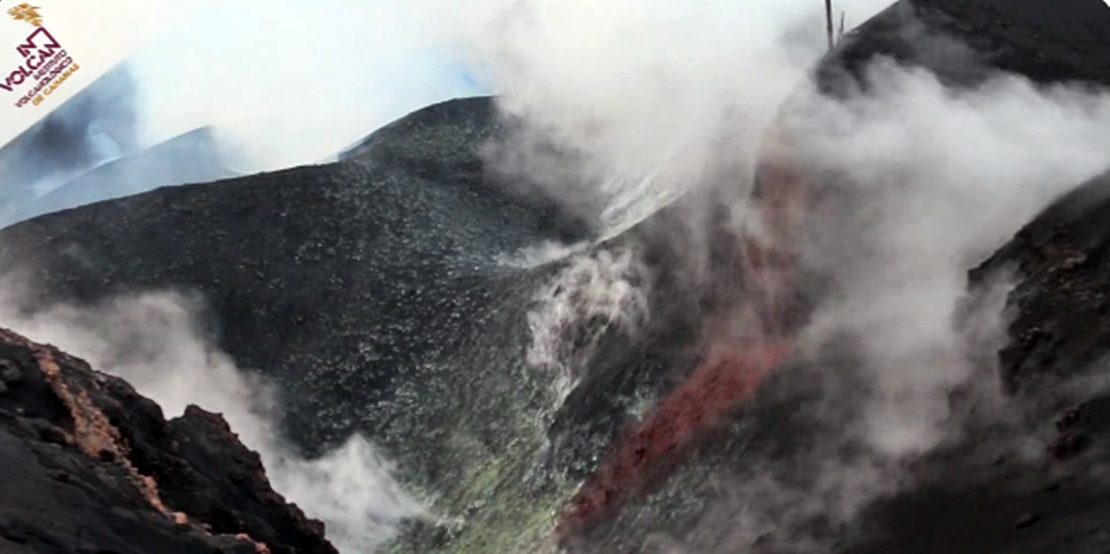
(284,83)
(290,82)
(294,82)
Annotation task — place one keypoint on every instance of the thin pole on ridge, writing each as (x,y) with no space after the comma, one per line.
(829,22)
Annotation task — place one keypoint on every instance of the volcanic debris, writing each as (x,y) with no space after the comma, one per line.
(92,466)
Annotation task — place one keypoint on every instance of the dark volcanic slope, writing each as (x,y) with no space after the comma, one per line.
(976,499)
(346,272)
(1048,42)
(91,466)
(439,143)
(372,291)
(979,496)
(1061,324)
(1059,254)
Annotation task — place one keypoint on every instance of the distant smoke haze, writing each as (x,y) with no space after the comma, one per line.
(98,124)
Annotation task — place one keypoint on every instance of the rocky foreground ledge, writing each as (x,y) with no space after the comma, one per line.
(87,465)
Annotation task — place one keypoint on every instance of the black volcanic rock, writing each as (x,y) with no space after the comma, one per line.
(965,41)
(436,141)
(1057,256)
(458,143)
(975,499)
(1061,262)
(91,466)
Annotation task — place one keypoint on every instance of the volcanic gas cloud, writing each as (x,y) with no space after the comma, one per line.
(648,452)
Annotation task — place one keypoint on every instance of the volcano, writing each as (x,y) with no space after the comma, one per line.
(384,294)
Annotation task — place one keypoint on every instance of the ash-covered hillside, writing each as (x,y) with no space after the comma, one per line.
(357,269)
(387,294)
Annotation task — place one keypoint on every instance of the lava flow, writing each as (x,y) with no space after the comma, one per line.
(650,451)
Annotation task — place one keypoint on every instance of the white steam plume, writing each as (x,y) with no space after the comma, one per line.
(152,341)
(593,292)
(289,82)
(940,180)
(646,87)
(945,178)
(654,93)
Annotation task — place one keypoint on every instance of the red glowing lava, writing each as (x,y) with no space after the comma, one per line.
(649,452)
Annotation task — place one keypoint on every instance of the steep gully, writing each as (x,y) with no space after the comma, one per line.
(1029,38)
(733,370)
